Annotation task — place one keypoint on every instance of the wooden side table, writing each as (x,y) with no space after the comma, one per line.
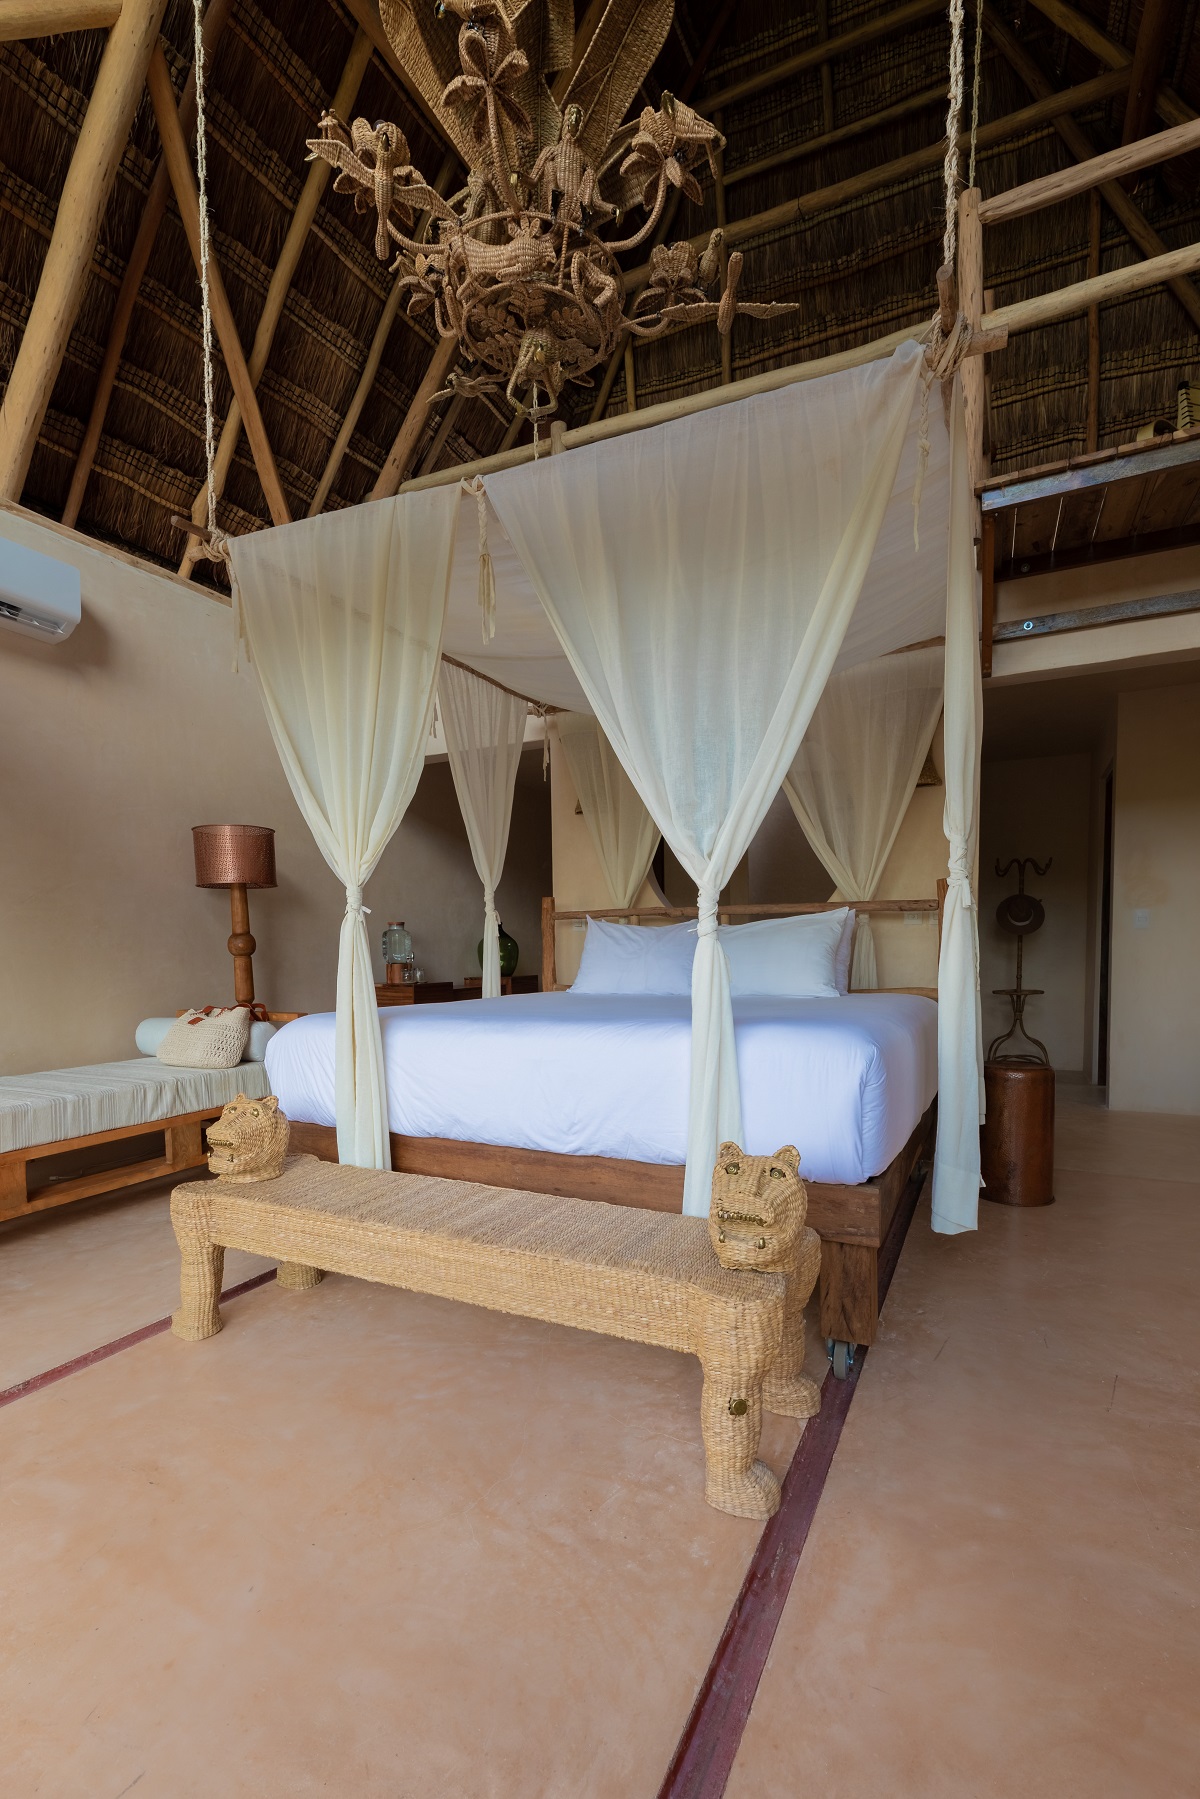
(509,983)
(1018,1134)
(415,993)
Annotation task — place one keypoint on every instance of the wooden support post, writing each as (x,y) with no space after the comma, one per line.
(49,18)
(549,975)
(722,221)
(1048,190)
(970,299)
(98,150)
(404,446)
(281,280)
(179,167)
(987,563)
(1092,439)
(366,380)
(449,417)
(630,381)
(1132,220)
(155,207)
(826,68)
(1067,302)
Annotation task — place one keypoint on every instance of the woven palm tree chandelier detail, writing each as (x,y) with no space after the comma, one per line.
(514,268)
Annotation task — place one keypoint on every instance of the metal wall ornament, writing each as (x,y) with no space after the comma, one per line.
(1021,914)
(513,267)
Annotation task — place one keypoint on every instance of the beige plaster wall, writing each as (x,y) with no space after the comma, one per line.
(1154,1045)
(113,744)
(1040,807)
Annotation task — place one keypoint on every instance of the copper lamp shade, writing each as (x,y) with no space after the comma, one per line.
(237,857)
(234,855)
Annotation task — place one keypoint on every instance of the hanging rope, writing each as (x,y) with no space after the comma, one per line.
(205,253)
(487,575)
(975,90)
(953,123)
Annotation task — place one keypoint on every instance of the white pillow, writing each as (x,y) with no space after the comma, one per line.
(786,958)
(845,952)
(633,958)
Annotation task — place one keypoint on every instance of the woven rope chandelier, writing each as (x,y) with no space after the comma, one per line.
(514,268)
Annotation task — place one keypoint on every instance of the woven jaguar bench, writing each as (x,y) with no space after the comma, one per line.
(649,1276)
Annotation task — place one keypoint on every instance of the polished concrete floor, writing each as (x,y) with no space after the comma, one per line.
(378,1546)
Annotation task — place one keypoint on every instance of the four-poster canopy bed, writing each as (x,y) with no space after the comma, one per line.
(694,587)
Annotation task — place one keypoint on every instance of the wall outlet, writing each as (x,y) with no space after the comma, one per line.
(917,917)
(1141,918)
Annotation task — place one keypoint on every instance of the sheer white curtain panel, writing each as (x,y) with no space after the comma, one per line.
(342,616)
(853,776)
(960,1024)
(485,731)
(623,832)
(701,577)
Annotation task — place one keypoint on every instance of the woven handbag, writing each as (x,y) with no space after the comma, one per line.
(215,1037)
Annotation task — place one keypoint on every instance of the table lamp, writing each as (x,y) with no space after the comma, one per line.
(237,857)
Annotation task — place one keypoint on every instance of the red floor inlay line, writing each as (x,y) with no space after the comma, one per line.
(712,1736)
(92,1356)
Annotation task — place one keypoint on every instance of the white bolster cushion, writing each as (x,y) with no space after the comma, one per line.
(151,1032)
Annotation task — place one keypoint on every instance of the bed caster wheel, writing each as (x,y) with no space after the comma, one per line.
(841,1356)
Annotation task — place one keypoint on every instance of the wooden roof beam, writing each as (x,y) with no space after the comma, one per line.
(1133,221)
(1149,55)
(98,151)
(1044,111)
(179,167)
(824,51)
(1048,190)
(1167,103)
(139,259)
(315,182)
(50,18)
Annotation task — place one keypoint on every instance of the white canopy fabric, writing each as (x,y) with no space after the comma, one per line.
(623,832)
(701,578)
(853,776)
(342,616)
(485,732)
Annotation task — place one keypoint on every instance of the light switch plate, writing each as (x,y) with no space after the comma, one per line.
(1141,918)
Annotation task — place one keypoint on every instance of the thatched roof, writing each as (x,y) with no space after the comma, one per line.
(859,269)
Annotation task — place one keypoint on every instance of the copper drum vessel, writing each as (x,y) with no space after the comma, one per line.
(1018,1136)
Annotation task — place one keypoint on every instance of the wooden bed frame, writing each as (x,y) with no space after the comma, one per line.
(852,1220)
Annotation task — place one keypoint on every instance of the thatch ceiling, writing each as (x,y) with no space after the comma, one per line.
(859,269)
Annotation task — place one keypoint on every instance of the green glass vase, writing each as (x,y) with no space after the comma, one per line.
(510,953)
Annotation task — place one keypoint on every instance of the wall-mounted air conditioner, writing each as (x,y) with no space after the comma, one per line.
(39,596)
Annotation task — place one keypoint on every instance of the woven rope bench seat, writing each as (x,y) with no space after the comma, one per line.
(648,1276)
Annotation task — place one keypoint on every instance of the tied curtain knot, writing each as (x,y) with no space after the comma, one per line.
(489,907)
(706,907)
(354,905)
(487,575)
(960,874)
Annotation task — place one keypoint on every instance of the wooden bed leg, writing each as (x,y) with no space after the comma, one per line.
(297,1277)
(14,1193)
(849,1291)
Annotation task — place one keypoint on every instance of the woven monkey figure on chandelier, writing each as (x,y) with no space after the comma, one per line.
(513,267)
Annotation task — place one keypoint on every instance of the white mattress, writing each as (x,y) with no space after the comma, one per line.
(111,1096)
(844,1079)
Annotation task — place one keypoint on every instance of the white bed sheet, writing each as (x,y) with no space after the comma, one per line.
(845,1080)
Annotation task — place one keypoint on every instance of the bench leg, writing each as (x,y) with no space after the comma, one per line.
(787,1390)
(731,1420)
(849,1291)
(201,1267)
(297,1277)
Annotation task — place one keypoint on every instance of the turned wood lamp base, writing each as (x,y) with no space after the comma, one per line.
(238,857)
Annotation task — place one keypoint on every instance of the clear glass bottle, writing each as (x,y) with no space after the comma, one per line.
(397,955)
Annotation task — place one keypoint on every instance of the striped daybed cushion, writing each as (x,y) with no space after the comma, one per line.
(114,1096)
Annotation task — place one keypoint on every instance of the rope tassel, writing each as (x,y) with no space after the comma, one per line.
(487,575)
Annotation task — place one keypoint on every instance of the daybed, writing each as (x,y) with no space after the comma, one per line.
(73,1133)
